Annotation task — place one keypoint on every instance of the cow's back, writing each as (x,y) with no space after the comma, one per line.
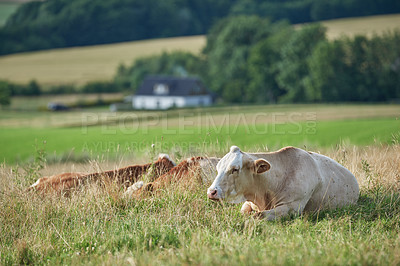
(338,185)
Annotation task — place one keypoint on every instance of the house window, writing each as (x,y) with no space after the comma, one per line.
(161,89)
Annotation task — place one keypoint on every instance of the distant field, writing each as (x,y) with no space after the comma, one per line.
(29,103)
(209,132)
(82,64)
(239,114)
(18,144)
(362,25)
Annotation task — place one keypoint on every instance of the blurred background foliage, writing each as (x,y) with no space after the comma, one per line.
(64,23)
(253,53)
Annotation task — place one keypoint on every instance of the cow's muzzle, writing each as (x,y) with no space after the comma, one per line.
(213,194)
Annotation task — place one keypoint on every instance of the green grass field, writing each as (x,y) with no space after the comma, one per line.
(211,130)
(112,141)
(82,64)
(180,226)
(98,225)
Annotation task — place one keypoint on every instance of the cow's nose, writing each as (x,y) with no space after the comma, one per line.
(213,194)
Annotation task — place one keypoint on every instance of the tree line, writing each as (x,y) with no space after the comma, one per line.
(49,24)
(9,89)
(248,59)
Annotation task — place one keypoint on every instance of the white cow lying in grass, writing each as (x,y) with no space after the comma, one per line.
(279,183)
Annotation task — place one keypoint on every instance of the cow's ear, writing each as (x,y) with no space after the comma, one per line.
(261,166)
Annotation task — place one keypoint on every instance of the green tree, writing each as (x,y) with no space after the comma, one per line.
(60,23)
(293,68)
(263,65)
(374,65)
(5,94)
(99,86)
(33,88)
(355,69)
(228,47)
(329,78)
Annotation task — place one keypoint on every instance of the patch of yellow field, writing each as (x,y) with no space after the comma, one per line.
(362,26)
(79,65)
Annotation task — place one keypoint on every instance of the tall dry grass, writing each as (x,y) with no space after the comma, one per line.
(99,225)
(372,166)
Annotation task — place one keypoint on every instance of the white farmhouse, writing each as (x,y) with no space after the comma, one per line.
(159,92)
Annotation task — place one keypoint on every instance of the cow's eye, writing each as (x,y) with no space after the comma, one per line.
(234,170)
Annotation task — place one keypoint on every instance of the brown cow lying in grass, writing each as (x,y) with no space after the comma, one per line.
(124,176)
(189,172)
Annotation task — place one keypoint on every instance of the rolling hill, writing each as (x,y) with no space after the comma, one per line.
(82,64)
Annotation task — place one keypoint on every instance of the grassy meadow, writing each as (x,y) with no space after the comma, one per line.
(98,225)
(82,64)
(131,134)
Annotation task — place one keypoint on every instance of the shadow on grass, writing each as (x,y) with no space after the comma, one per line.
(371,206)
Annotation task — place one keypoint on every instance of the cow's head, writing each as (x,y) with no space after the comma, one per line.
(236,171)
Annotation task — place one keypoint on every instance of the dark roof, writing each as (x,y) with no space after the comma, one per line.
(176,86)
